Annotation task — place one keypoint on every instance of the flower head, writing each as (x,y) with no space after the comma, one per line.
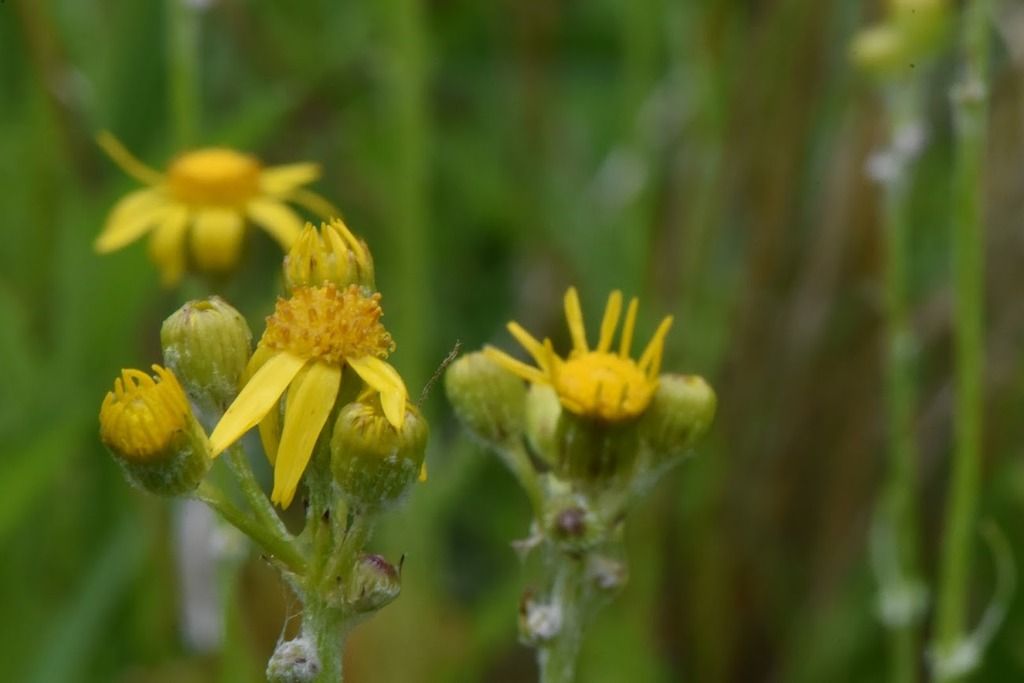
(593,383)
(148,426)
(141,416)
(331,254)
(309,339)
(203,200)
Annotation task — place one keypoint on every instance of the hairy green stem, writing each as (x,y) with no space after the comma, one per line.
(271,543)
(557,658)
(970,114)
(325,626)
(246,481)
(517,460)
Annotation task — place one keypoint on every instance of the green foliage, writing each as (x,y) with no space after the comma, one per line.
(705,156)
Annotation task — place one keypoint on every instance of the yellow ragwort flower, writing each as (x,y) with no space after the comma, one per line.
(308,341)
(204,198)
(143,414)
(599,383)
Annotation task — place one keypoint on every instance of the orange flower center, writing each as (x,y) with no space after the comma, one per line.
(214,176)
(329,324)
(603,385)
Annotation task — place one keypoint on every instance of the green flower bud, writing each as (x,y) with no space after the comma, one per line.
(207,343)
(572,524)
(542,412)
(147,425)
(373,584)
(681,412)
(294,661)
(373,462)
(488,399)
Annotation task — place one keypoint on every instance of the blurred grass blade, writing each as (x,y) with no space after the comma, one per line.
(31,472)
(78,629)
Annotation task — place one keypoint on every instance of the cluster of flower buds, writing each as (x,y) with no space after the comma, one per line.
(375,442)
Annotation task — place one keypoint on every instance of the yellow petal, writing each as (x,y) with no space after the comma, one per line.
(279,180)
(280,222)
(269,426)
(423,471)
(610,320)
(131,165)
(217,238)
(650,361)
(529,342)
(386,380)
(167,245)
(131,218)
(574,316)
(516,367)
(626,343)
(305,415)
(313,202)
(256,399)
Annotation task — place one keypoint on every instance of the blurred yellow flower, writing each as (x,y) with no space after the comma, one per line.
(308,341)
(597,384)
(204,199)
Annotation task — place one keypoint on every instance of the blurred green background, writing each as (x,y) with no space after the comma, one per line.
(706,155)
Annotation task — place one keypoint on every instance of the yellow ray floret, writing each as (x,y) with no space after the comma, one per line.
(200,206)
(140,417)
(599,383)
(308,341)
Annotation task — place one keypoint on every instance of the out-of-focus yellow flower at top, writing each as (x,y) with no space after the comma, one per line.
(593,383)
(309,339)
(200,205)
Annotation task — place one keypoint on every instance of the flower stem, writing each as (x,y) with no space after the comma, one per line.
(900,503)
(246,480)
(272,544)
(325,626)
(970,114)
(183,69)
(557,659)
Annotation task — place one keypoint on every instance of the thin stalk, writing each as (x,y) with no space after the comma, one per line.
(970,115)
(273,545)
(408,123)
(183,70)
(901,488)
(516,459)
(246,481)
(557,659)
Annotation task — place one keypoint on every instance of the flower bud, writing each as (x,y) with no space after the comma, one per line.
(607,574)
(294,661)
(881,50)
(332,254)
(572,524)
(542,411)
(373,462)
(488,399)
(207,344)
(680,413)
(148,427)
(373,584)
